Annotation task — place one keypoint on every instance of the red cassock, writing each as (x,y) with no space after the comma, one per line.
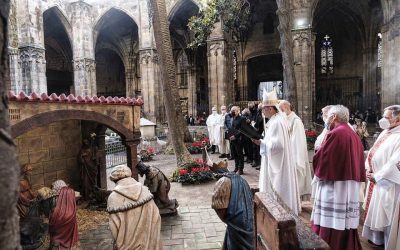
(63,227)
(340,158)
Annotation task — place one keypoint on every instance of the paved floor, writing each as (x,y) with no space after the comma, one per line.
(196,226)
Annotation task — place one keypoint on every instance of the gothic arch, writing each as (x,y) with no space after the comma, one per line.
(63,115)
(178,4)
(103,16)
(63,19)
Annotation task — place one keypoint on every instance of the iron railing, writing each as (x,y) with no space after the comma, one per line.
(115,153)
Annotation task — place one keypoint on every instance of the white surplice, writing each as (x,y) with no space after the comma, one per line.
(213,128)
(224,145)
(385,164)
(277,165)
(300,153)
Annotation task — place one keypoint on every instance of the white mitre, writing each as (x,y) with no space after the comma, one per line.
(270,99)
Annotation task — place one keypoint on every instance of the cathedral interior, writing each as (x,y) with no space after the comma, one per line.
(106,48)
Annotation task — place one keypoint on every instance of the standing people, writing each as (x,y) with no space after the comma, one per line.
(224,145)
(321,137)
(227,128)
(135,221)
(339,171)
(259,126)
(236,139)
(278,171)
(383,171)
(213,128)
(298,140)
(247,144)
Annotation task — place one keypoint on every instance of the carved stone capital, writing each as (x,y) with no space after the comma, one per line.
(298,4)
(394,26)
(302,36)
(29,54)
(12,51)
(214,47)
(85,64)
(148,56)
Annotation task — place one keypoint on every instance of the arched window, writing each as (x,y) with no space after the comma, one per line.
(327,55)
(380,50)
(182,70)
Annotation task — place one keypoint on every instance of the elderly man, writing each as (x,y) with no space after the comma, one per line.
(322,136)
(236,139)
(135,221)
(224,146)
(299,149)
(213,128)
(339,169)
(278,171)
(383,172)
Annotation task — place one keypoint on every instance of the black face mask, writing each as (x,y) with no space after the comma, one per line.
(232,114)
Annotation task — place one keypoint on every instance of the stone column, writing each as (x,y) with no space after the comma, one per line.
(217,72)
(83,49)
(192,93)
(149,71)
(131,156)
(130,76)
(242,80)
(390,69)
(32,60)
(369,76)
(15,73)
(304,60)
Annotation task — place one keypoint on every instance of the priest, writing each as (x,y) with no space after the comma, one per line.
(339,171)
(224,145)
(213,127)
(382,202)
(298,141)
(278,171)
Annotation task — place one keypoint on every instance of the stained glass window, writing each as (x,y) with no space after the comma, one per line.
(380,50)
(234,70)
(182,70)
(327,55)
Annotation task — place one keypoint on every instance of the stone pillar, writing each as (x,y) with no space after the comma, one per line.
(304,60)
(369,76)
(149,71)
(390,69)
(130,76)
(32,60)
(15,72)
(83,49)
(192,93)
(242,80)
(32,63)
(131,156)
(217,72)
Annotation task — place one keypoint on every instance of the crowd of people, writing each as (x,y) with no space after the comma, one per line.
(340,163)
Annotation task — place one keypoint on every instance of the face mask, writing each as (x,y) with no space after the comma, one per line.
(233,113)
(384,123)
(328,123)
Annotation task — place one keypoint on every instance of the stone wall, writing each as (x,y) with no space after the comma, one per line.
(52,150)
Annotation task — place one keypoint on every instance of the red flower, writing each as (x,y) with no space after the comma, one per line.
(183,172)
(150,150)
(311,133)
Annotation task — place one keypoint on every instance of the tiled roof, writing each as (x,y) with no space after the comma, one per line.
(34,97)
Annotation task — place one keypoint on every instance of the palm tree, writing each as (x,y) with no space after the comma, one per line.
(176,123)
(9,169)
(290,87)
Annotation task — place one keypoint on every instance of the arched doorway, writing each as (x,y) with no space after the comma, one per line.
(116,55)
(59,71)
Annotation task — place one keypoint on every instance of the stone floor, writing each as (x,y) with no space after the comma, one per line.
(196,226)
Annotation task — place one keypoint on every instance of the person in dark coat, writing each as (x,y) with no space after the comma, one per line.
(236,139)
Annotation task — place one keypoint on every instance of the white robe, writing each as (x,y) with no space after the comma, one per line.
(277,165)
(213,128)
(385,195)
(223,146)
(300,153)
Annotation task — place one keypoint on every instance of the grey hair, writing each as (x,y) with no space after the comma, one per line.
(284,102)
(395,110)
(326,108)
(340,111)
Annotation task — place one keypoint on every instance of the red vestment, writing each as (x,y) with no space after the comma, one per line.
(63,227)
(340,158)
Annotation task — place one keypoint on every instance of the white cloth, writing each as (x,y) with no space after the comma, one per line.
(224,145)
(336,205)
(213,128)
(385,165)
(277,165)
(300,153)
(320,139)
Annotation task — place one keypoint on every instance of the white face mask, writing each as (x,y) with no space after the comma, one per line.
(384,123)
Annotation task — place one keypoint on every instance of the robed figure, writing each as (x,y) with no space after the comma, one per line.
(233,202)
(26,196)
(381,225)
(339,171)
(213,127)
(135,221)
(88,168)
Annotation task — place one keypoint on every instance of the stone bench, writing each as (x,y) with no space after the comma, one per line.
(275,228)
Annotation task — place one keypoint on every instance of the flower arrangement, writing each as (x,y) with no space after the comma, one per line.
(311,136)
(200,142)
(198,173)
(147,154)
